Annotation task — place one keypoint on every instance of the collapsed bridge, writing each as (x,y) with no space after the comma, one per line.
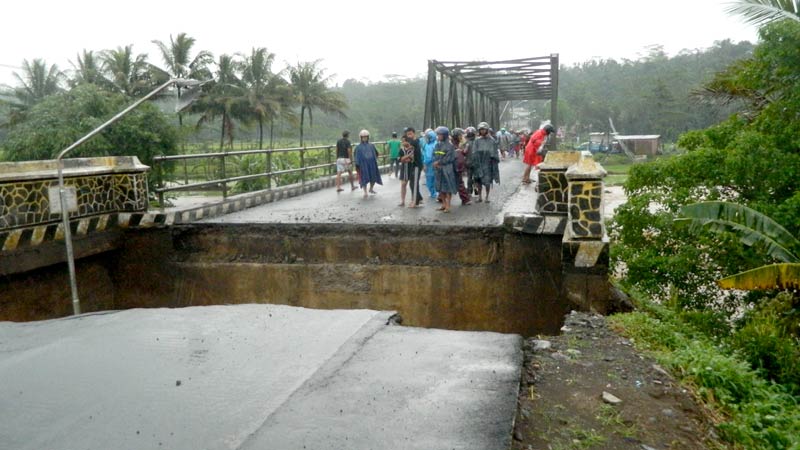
(516,265)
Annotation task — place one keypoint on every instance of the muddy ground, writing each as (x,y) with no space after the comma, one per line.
(565,379)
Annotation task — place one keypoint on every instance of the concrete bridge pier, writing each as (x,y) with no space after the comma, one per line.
(569,203)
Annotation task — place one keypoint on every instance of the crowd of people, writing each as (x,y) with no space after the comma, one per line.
(445,157)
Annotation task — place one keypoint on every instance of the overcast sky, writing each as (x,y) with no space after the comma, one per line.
(366,39)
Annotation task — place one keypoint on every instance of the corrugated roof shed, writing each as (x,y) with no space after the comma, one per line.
(637,137)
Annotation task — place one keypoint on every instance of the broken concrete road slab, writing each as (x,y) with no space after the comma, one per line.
(253,376)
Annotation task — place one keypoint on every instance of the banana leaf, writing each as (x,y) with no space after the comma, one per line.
(750,225)
(775,276)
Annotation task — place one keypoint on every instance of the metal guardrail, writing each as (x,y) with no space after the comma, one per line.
(221,183)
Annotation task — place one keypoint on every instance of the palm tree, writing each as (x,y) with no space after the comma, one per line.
(726,87)
(268,94)
(223,98)
(762,12)
(38,80)
(128,74)
(753,228)
(88,70)
(310,88)
(179,63)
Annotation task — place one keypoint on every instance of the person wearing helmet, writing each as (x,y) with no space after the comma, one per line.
(524,135)
(394,154)
(483,162)
(504,142)
(367,161)
(534,151)
(457,138)
(443,163)
(470,133)
(406,171)
(513,150)
(493,135)
(414,175)
(427,159)
(344,158)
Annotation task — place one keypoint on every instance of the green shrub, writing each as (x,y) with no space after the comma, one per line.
(746,368)
(251,165)
(751,158)
(768,341)
(61,119)
(758,414)
(708,322)
(663,259)
(692,140)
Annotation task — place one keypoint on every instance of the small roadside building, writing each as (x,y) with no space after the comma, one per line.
(600,138)
(643,144)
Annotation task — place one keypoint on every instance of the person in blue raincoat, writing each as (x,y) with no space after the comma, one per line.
(443,162)
(427,159)
(367,161)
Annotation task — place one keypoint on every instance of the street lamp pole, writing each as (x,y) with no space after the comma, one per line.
(73,284)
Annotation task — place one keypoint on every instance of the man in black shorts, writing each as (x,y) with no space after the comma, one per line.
(344,158)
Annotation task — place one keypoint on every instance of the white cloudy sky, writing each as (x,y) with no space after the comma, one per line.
(366,39)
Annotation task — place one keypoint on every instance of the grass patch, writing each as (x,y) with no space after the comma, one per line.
(749,411)
(579,438)
(611,418)
(618,169)
(574,342)
(615,180)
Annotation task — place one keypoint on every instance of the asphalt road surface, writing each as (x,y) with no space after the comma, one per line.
(242,377)
(328,206)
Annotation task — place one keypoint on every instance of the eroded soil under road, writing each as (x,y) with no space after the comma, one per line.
(565,379)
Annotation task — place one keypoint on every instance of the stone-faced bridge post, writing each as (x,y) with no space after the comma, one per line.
(584,256)
(569,204)
(552,185)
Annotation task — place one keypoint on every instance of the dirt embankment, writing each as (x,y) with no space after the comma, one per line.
(589,389)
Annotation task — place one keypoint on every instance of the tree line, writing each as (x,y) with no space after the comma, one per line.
(240,89)
(654,94)
(245,98)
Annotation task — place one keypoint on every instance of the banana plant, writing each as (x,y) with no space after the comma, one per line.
(753,228)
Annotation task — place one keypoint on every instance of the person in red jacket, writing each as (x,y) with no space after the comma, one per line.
(532,156)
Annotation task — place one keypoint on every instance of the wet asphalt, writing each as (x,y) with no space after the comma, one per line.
(350,207)
(253,377)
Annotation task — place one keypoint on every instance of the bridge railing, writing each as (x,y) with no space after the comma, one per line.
(247,170)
